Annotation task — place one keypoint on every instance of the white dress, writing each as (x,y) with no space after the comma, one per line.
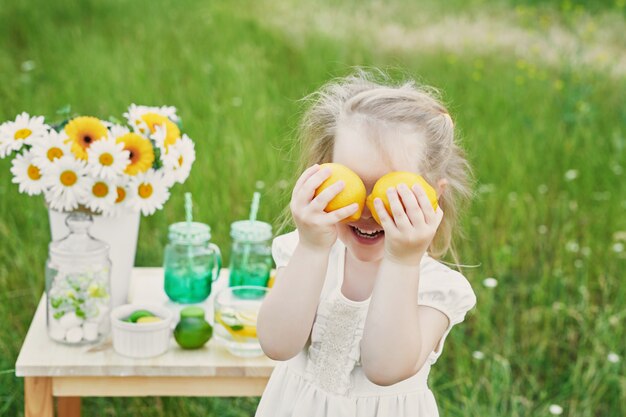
(326,378)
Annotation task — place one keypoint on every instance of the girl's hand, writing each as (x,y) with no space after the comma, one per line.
(316,228)
(409,233)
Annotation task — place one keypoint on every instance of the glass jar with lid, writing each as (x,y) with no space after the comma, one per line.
(191,262)
(251,255)
(78,285)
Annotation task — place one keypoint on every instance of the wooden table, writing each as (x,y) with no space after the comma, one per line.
(53,370)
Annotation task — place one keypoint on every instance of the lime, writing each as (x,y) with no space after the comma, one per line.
(148,319)
(192,332)
(137,314)
(192,311)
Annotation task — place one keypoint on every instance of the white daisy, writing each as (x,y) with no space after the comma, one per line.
(145,120)
(101,194)
(25,130)
(135,112)
(124,198)
(106,158)
(51,147)
(115,130)
(178,161)
(27,174)
(158,137)
(150,191)
(67,183)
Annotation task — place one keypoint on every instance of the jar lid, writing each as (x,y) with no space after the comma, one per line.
(250,230)
(79,245)
(189,232)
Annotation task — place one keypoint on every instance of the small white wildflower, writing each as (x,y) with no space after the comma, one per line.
(260,185)
(542,189)
(617,169)
(618,247)
(542,229)
(613,357)
(557,305)
(486,188)
(478,355)
(556,409)
(586,251)
(572,246)
(571,174)
(282,184)
(490,282)
(578,263)
(512,196)
(28,66)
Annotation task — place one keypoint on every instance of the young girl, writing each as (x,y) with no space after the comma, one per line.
(359,312)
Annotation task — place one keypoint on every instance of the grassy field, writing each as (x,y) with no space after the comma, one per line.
(546,137)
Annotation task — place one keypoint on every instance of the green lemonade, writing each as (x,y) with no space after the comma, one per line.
(256,276)
(188,285)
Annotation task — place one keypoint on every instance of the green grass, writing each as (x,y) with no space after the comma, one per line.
(545,330)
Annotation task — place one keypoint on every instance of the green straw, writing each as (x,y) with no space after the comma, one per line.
(188,209)
(189,219)
(253,212)
(255,205)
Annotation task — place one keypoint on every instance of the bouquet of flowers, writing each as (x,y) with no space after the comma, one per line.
(101,166)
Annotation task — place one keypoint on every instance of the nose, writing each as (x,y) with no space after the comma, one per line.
(366,213)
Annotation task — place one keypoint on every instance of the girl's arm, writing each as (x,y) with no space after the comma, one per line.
(398,335)
(286,316)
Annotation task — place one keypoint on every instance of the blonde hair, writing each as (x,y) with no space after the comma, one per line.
(407,103)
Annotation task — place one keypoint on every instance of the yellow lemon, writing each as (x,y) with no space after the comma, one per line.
(393,179)
(148,319)
(353,192)
(272,279)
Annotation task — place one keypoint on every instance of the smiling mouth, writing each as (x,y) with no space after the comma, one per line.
(371,234)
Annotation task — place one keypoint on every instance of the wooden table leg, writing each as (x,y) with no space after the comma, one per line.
(38,401)
(68,406)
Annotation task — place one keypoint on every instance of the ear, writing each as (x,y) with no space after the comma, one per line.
(441,186)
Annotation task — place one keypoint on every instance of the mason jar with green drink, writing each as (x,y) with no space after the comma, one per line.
(191,262)
(251,256)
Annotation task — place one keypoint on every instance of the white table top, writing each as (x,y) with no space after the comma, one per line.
(41,356)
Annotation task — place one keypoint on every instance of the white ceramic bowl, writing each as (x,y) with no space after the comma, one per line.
(142,340)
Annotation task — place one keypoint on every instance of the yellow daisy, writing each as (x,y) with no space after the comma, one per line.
(82,132)
(140,151)
(172,132)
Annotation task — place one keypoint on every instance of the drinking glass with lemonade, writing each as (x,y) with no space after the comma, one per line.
(236,317)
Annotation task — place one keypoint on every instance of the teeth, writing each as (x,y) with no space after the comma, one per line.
(363,232)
